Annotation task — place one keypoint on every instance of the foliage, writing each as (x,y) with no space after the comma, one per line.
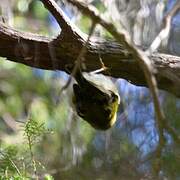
(39,138)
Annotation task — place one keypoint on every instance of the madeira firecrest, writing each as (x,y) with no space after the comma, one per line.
(96,99)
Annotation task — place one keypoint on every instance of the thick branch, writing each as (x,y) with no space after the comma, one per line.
(64,22)
(34,51)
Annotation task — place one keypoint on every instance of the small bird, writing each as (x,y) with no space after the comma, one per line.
(96,99)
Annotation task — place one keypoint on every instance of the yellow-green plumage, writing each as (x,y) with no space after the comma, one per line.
(96,99)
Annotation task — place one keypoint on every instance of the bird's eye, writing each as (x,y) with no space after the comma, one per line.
(108,111)
(81,112)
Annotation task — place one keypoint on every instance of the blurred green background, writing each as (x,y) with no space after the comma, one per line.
(39,138)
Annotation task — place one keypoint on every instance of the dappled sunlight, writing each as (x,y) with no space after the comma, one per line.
(40,131)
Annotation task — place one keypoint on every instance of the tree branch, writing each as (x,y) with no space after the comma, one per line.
(114,56)
(145,64)
(33,50)
(164,33)
(63,21)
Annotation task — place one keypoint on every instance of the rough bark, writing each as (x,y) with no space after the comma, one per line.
(54,54)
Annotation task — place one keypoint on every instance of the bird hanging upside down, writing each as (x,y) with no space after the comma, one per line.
(96,99)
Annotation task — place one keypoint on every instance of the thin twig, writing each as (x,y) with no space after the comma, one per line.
(123,37)
(59,15)
(164,33)
(78,60)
